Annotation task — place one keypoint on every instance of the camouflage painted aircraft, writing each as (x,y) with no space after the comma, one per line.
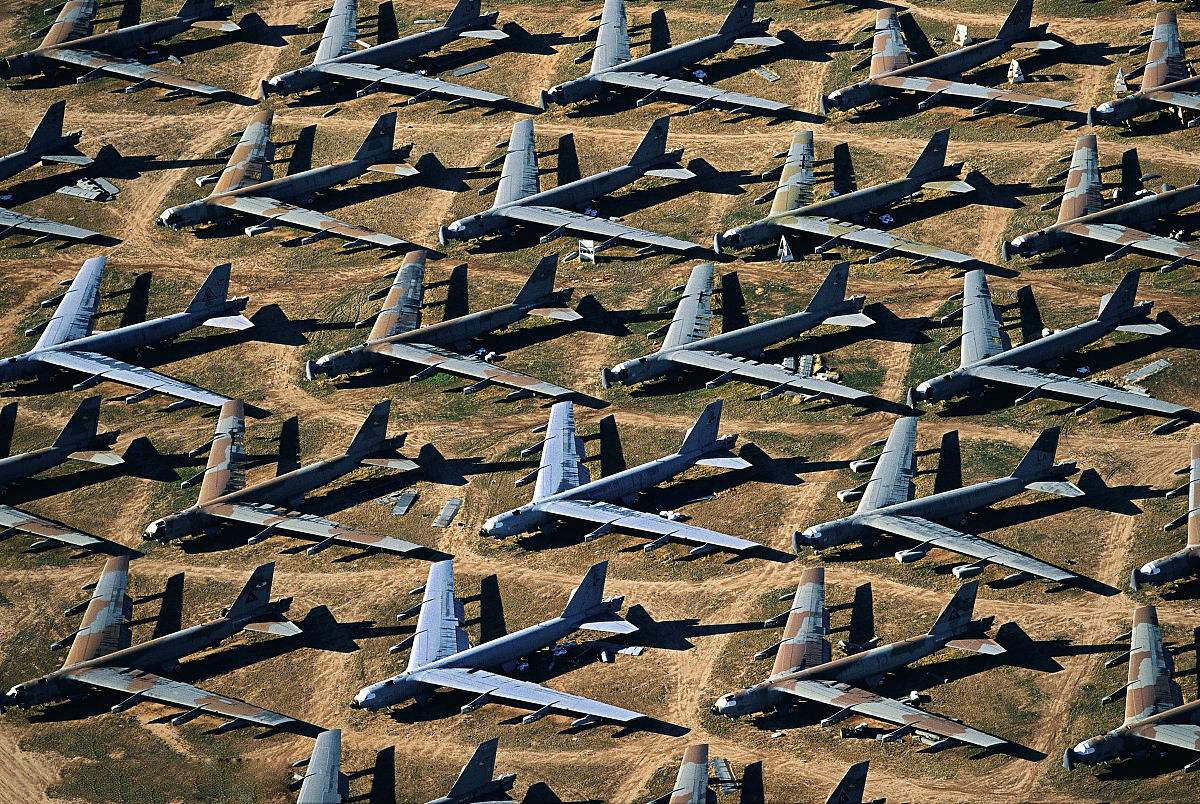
(1082,215)
(691,783)
(397,334)
(839,220)
(248,187)
(520,201)
(1154,709)
(689,346)
(565,491)
(1184,563)
(805,670)
(475,784)
(614,69)
(102,658)
(886,505)
(46,144)
(68,342)
(70,43)
(988,358)
(1168,81)
(225,498)
(894,73)
(323,781)
(442,655)
(341,58)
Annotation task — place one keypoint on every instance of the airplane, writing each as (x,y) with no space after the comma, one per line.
(1186,562)
(226,498)
(323,781)
(102,656)
(1154,709)
(1168,81)
(68,342)
(808,672)
(687,344)
(397,334)
(340,57)
(852,787)
(893,72)
(886,505)
(564,490)
(691,782)
(989,359)
(248,187)
(47,144)
(520,201)
(839,219)
(614,68)
(442,655)
(69,42)
(475,784)
(1082,215)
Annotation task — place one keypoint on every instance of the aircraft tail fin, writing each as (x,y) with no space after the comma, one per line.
(540,283)
(381,140)
(1040,456)
(850,789)
(50,130)
(1018,20)
(465,11)
(214,291)
(198,9)
(478,771)
(956,617)
(81,427)
(1116,304)
(654,144)
(933,158)
(372,432)
(741,15)
(833,290)
(701,435)
(255,595)
(588,596)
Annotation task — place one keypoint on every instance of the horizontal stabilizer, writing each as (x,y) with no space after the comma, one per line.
(394,169)
(102,457)
(724,462)
(284,627)
(851,320)
(613,626)
(672,173)
(1040,44)
(484,33)
(229,322)
(392,463)
(67,159)
(759,41)
(1062,488)
(556,313)
(949,186)
(988,647)
(224,26)
(1144,329)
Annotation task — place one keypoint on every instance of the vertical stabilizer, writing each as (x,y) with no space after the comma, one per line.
(654,144)
(850,788)
(196,9)
(466,12)
(833,290)
(81,427)
(214,291)
(540,283)
(1115,305)
(956,617)
(933,158)
(1040,456)
(255,595)
(50,130)
(380,142)
(372,432)
(477,773)
(740,16)
(1018,20)
(701,435)
(588,596)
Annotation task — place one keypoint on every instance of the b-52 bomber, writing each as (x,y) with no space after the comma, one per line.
(442,655)
(69,42)
(397,334)
(68,342)
(839,219)
(893,72)
(564,489)
(688,346)
(520,201)
(340,59)
(614,68)
(1168,81)
(248,187)
(102,657)
(225,498)
(988,358)
(807,671)
(1082,215)
(1186,562)
(1154,709)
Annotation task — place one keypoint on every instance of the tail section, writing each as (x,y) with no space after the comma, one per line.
(380,142)
(850,789)
(1018,20)
(1116,305)
(589,595)
(740,16)
(255,595)
(956,617)
(477,773)
(1040,456)
(833,290)
(373,431)
(465,12)
(214,291)
(196,9)
(654,144)
(540,283)
(703,434)
(933,158)
(50,131)
(81,428)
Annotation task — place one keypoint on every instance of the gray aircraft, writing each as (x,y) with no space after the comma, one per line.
(852,787)
(520,201)
(565,491)
(247,187)
(70,43)
(102,657)
(1184,563)
(615,69)
(886,505)
(442,655)
(67,341)
(225,498)
(1155,713)
(475,784)
(397,334)
(339,58)
(988,358)
(1168,82)
(687,344)
(840,218)
(804,669)
(1082,215)
(691,782)
(323,781)
(893,71)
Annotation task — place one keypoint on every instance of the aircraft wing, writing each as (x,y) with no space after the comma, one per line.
(960,89)
(250,162)
(308,525)
(12,221)
(804,642)
(702,94)
(866,237)
(129,68)
(612,38)
(889,51)
(982,335)
(892,478)
(850,699)
(1166,60)
(74,21)
(472,368)
(1084,191)
(779,378)
(797,178)
(1180,735)
(1038,383)
(519,173)
(73,317)
(321,784)
(147,686)
(402,306)
(1185,100)
(104,367)
(412,83)
(691,781)
(439,632)
(522,692)
(277,212)
(16,519)
(610,516)
(933,534)
(1131,239)
(588,225)
(692,315)
(562,454)
(105,624)
(1152,688)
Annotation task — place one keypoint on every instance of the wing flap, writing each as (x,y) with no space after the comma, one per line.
(612,38)
(1151,687)
(562,454)
(250,162)
(19,520)
(804,642)
(439,633)
(401,310)
(308,525)
(105,624)
(616,516)
(109,368)
(692,315)
(982,336)
(1180,735)
(1185,100)
(797,178)
(523,692)
(892,478)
